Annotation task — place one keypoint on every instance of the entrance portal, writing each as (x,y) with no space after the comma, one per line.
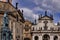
(46,37)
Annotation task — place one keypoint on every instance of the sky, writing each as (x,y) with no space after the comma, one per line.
(33,8)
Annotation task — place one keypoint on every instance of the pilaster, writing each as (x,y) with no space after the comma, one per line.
(51,37)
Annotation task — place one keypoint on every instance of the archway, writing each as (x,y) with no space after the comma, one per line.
(26,39)
(46,37)
(55,38)
(36,37)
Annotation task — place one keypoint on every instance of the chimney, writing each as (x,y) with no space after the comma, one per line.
(16,5)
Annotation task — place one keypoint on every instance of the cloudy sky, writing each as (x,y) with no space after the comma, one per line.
(33,8)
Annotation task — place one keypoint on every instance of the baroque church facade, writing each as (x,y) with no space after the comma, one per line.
(45,29)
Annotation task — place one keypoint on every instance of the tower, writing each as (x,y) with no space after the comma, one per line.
(5,32)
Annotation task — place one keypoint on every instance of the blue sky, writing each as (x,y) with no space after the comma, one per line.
(33,8)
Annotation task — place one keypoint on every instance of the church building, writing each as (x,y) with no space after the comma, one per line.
(45,29)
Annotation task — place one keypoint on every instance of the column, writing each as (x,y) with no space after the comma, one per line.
(40,37)
(32,37)
(51,37)
(59,37)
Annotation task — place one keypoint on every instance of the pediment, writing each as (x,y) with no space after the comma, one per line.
(46,17)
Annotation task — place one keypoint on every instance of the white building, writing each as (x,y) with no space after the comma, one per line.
(45,29)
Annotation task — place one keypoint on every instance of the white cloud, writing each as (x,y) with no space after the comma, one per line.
(29,14)
(53,5)
(38,8)
(55,23)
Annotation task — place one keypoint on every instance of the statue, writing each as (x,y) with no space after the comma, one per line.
(5,31)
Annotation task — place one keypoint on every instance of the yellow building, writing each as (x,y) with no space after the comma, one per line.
(16,19)
(27,30)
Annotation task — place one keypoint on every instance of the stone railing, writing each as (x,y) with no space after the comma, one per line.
(51,29)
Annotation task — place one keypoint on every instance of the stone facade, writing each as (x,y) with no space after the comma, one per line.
(45,29)
(16,20)
(27,30)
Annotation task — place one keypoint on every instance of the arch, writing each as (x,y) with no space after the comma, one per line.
(46,37)
(55,38)
(26,39)
(36,37)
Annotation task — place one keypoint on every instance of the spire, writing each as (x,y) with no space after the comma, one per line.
(45,13)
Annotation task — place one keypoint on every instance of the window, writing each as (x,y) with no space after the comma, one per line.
(4,36)
(36,37)
(40,28)
(51,28)
(26,28)
(55,38)
(58,28)
(32,28)
(45,27)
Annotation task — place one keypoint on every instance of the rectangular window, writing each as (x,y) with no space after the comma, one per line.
(58,28)
(51,29)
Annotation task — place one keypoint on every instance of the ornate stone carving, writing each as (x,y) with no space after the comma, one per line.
(45,27)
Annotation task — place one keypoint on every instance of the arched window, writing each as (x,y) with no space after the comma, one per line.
(36,37)
(55,38)
(46,37)
(33,28)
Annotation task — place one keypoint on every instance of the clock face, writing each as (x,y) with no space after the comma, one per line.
(26,28)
